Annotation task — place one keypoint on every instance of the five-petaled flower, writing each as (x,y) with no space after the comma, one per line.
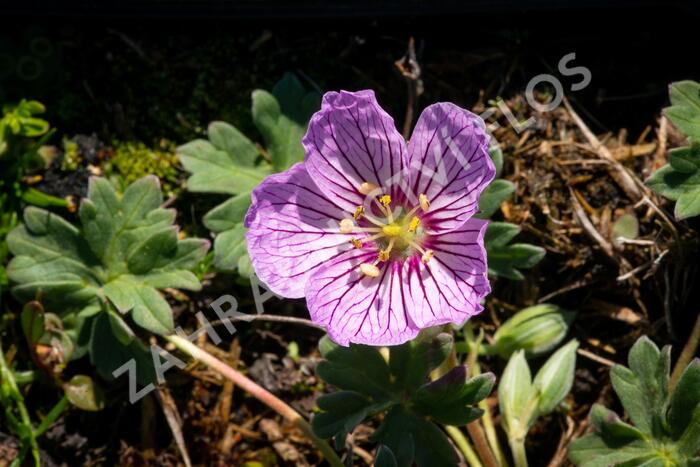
(377,234)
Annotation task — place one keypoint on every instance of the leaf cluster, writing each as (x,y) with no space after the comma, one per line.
(399,386)
(231,163)
(664,426)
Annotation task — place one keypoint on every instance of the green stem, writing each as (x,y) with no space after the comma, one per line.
(687,353)
(260,393)
(52,416)
(463,444)
(489,427)
(517,447)
(26,435)
(26,377)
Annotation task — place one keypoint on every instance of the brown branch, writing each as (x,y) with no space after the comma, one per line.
(687,353)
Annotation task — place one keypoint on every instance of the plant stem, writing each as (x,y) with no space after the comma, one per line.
(26,377)
(474,344)
(687,353)
(260,393)
(52,416)
(517,448)
(491,435)
(26,435)
(463,444)
(476,433)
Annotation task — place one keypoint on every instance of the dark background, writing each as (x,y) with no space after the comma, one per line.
(146,70)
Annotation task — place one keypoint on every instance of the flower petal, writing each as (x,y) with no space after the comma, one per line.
(450,286)
(449,162)
(351,140)
(292,229)
(355,308)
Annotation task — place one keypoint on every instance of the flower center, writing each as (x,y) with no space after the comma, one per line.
(396,237)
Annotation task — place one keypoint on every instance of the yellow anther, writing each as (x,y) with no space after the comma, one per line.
(358,212)
(356,243)
(384,255)
(369,270)
(415,222)
(367,188)
(426,256)
(391,230)
(346,226)
(424,202)
(385,200)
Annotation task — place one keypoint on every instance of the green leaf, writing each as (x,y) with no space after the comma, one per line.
(685,108)
(385,458)
(555,379)
(689,442)
(491,198)
(537,330)
(121,330)
(228,163)
(593,451)
(216,171)
(497,157)
(643,388)
(506,261)
(413,361)
(343,411)
(83,393)
(680,179)
(685,159)
(357,368)
(448,399)
(688,204)
(108,354)
(401,431)
(685,399)
(281,117)
(499,234)
(126,249)
(228,214)
(611,428)
(627,226)
(229,248)
(148,308)
(227,138)
(32,320)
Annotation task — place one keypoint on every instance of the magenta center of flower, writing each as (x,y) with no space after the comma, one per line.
(396,231)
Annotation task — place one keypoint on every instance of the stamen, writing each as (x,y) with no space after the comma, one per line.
(424,202)
(356,243)
(346,226)
(417,246)
(385,200)
(385,253)
(415,222)
(426,256)
(367,188)
(369,270)
(358,212)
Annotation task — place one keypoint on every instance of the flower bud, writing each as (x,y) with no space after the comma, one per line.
(536,330)
(555,379)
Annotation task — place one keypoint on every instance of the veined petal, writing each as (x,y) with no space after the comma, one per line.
(355,308)
(351,141)
(449,288)
(449,163)
(292,229)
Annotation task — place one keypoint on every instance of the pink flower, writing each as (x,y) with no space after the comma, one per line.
(377,234)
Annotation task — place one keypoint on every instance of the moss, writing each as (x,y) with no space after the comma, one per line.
(133,160)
